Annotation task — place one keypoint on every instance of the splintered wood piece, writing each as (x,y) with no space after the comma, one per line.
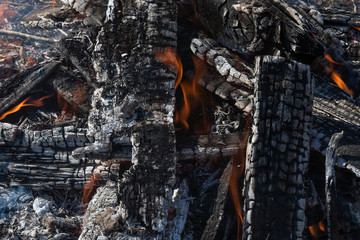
(330,187)
(278,151)
(216,224)
(13,89)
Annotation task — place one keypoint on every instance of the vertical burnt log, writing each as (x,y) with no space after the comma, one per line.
(330,187)
(278,151)
(134,101)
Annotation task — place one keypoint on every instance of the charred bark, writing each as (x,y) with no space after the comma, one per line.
(278,151)
(330,187)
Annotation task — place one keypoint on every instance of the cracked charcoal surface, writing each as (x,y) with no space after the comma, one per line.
(275,200)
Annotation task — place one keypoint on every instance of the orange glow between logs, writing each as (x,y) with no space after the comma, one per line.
(192,99)
(27,102)
(317,229)
(336,76)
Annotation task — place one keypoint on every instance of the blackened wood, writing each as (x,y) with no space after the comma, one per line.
(333,110)
(315,210)
(278,151)
(258,27)
(76,92)
(330,187)
(216,224)
(13,89)
(77,50)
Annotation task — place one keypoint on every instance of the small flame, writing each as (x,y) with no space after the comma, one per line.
(27,102)
(329,59)
(358,28)
(337,79)
(237,171)
(89,188)
(336,76)
(170,58)
(317,229)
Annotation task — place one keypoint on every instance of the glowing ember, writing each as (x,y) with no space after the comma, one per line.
(336,76)
(237,171)
(27,102)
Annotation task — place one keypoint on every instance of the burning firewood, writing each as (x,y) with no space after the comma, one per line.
(133,84)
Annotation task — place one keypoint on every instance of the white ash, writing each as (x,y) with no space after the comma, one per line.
(41,206)
(21,213)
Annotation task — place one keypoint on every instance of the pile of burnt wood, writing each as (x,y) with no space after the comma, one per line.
(275,84)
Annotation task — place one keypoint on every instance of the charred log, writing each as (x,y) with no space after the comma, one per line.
(280,142)
(330,187)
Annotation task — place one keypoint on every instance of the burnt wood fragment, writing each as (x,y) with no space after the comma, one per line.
(330,187)
(74,91)
(222,215)
(278,151)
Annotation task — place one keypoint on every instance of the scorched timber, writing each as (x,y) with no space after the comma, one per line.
(333,109)
(44,159)
(278,151)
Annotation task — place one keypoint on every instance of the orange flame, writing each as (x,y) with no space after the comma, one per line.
(337,79)
(190,92)
(189,88)
(358,28)
(89,188)
(336,76)
(170,58)
(317,229)
(27,102)
(329,59)
(237,171)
